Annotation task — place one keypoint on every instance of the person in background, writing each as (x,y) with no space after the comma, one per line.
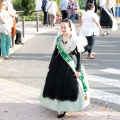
(90,28)
(45,18)
(107,17)
(13,15)
(63,8)
(94,2)
(5,38)
(72,9)
(63,90)
(52,11)
(18,39)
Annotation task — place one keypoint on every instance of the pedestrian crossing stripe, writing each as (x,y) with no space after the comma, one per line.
(105,96)
(112,71)
(104,80)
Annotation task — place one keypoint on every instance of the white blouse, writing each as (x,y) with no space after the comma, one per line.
(88,27)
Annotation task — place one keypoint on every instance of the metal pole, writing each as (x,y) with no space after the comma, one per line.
(37,22)
(23,26)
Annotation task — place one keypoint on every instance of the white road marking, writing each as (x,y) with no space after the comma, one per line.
(104,80)
(112,71)
(105,96)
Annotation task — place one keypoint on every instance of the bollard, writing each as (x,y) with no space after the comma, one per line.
(23,26)
(37,22)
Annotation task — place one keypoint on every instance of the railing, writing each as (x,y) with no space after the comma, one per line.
(23,21)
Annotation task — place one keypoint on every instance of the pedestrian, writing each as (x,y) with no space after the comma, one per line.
(94,2)
(13,14)
(107,17)
(66,87)
(90,28)
(63,8)
(52,11)
(5,20)
(72,9)
(18,38)
(45,14)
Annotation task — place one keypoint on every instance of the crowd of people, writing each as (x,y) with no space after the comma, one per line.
(8,30)
(92,24)
(66,88)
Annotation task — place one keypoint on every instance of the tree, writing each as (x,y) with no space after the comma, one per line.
(28,5)
(17,5)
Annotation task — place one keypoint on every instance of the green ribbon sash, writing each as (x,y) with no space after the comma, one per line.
(71,63)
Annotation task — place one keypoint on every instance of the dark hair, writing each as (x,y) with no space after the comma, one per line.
(66,20)
(89,6)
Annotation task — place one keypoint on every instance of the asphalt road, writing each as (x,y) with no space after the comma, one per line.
(29,65)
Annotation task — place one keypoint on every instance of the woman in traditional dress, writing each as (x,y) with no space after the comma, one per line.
(66,87)
(107,17)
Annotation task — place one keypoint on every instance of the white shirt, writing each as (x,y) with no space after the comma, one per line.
(52,8)
(88,27)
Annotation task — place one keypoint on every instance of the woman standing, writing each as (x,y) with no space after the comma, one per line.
(107,19)
(5,19)
(90,28)
(66,88)
(72,9)
(52,11)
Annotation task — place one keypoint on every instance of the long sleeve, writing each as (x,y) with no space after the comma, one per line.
(78,67)
(53,56)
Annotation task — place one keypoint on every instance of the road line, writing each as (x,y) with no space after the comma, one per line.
(112,71)
(104,80)
(105,96)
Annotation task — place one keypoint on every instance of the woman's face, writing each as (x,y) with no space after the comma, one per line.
(65,29)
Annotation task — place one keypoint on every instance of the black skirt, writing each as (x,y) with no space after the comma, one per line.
(105,19)
(61,84)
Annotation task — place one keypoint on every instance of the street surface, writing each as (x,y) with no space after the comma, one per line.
(29,66)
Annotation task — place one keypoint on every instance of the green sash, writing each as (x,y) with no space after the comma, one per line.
(71,63)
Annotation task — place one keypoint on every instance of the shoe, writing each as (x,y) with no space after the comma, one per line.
(22,43)
(104,34)
(90,56)
(61,115)
(6,57)
(9,56)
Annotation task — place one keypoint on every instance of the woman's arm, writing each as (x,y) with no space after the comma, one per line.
(97,23)
(78,67)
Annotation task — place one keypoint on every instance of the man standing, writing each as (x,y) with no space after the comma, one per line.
(63,7)
(43,7)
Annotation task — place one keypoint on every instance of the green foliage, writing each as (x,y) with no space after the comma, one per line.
(17,5)
(32,17)
(28,5)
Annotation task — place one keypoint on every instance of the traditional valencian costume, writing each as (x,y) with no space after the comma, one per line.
(62,91)
(107,17)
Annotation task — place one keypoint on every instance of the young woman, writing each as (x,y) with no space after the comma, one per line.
(90,28)
(66,87)
(5,19)
(107,17)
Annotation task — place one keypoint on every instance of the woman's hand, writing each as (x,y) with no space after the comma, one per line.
(77,74)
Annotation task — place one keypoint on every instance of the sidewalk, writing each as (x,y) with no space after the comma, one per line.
(21,102)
